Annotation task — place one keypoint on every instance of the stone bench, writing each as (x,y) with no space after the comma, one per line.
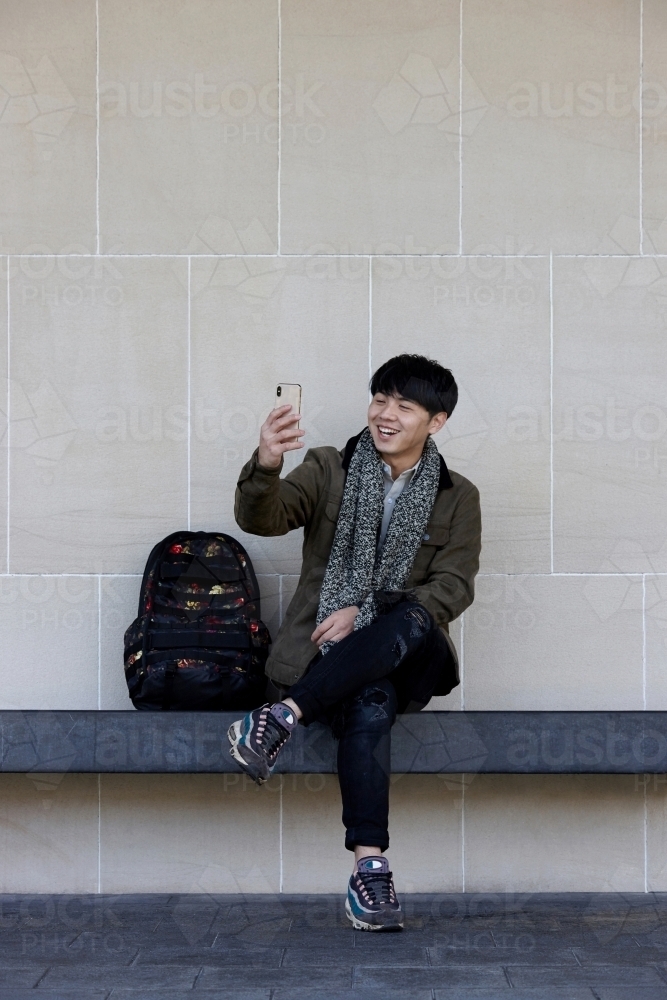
(423,743)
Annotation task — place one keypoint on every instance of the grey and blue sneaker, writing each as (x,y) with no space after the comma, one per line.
(371,902)
(257,739)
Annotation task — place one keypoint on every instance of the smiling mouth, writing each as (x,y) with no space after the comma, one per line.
(386,432)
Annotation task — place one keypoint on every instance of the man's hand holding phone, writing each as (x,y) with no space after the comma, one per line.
(279,434)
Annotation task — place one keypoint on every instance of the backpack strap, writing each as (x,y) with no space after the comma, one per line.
(169,676)
(174,639)
(220,657)
(195,571)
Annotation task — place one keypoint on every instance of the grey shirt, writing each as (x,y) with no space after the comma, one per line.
(392,491)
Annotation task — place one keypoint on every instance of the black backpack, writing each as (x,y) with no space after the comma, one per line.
(198,642)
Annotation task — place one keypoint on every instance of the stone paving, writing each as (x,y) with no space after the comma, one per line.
(568,946)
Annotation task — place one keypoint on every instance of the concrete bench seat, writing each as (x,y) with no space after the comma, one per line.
(423,743)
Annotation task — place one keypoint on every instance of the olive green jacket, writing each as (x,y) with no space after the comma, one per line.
(442,575)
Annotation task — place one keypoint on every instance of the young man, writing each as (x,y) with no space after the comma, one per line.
(390,553)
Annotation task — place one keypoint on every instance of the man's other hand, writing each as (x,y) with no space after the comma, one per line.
(336,626)
(278,435)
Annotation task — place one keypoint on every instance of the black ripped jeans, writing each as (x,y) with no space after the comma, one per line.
(357,688)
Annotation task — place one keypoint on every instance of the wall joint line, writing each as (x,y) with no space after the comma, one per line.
(551,411)
(644,641)
(370,317)
(280,116)
(189,389)
(641,127)
(97,126)
(9,405)
(461,126)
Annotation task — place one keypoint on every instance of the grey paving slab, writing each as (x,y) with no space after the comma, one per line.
(53,948)
(522,947)
(297,939)
(656,937)
(255,940)
(29,947)
(351,994)
(242,957)
(66,961)
(631,993)
(551,993)
(399,955)
(329,978)
(502,956)
(406,977)
(245,924)
(66,916)
(568,937)
(562,902)
(642,922)
(236,993)
(593,975)
(335,925)
(584,913)
(67,994)
(113,977)
(620,954)
(175,937)
(619,926)
(33,941)
(22,976)
(268,916)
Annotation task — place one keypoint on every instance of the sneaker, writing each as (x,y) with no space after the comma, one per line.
(371,902)
(257,739)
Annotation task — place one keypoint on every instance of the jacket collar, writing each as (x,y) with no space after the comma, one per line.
(445,482)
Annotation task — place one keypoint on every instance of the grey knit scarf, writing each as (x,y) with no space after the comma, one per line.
(355,569)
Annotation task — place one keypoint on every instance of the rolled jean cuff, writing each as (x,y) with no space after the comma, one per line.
(367,836)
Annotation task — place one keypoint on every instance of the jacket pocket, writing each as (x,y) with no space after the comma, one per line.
(436,534)
(332,507)
(435,537)
(320,533)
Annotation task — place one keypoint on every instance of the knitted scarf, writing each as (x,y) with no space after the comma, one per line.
(355,569)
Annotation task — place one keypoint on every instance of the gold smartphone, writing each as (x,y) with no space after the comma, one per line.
(289,392)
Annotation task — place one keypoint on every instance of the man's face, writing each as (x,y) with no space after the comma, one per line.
(398,425)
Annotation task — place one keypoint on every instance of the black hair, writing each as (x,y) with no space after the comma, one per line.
(418,379)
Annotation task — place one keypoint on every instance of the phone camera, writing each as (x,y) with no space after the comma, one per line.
(279,391)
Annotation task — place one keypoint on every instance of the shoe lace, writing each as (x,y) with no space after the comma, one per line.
(271,735)
(378,886)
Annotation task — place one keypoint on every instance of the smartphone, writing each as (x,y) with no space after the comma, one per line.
(289,392)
